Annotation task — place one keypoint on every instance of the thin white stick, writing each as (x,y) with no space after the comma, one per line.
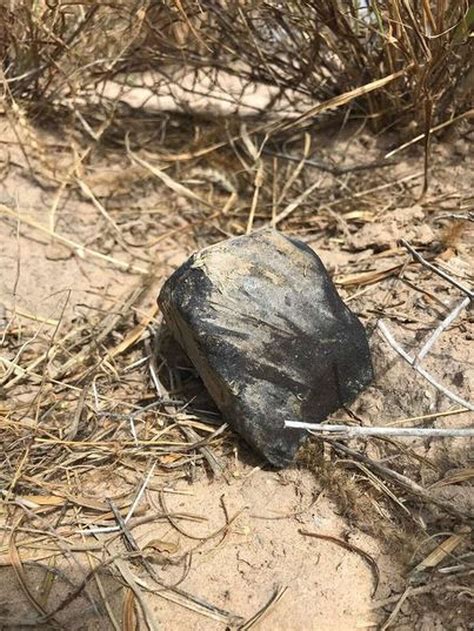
(424,373)
(140,492)
(133,416)
(296,202)
(417,256)
(440,328)
(107,529)
(421,136)
(352,431)
(133,429)
(156,381)
(137,363)
(98,531)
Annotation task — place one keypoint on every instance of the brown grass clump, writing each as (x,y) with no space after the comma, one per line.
(315,49)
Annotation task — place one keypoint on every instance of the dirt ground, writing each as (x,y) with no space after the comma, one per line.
(238,542)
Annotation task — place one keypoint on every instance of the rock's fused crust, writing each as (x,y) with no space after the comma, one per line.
(272,340)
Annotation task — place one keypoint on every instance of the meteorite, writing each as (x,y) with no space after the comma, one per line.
(265,328)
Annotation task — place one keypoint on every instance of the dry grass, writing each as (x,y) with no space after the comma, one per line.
(319,50)
(78,405)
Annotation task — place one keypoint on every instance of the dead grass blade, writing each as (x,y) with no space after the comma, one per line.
(129,617)
(134,335)
(167,180)
(76,419)
(128,577)
(343,99)
(396,610)
(292,206)
(352,548)
(265,610)
(367,278)
(77,248)
(444,549)
(463,475)
(17,566)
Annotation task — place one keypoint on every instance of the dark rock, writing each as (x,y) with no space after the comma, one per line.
(272,340)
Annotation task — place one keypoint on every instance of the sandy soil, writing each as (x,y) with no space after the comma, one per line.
(259,514)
